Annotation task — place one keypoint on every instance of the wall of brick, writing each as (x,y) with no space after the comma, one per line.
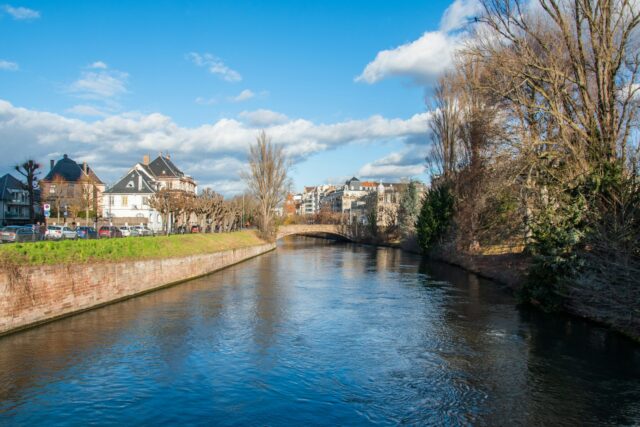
(33,295)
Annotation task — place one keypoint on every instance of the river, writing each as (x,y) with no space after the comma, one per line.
(321,333)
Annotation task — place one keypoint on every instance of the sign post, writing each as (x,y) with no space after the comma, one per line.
(47,213)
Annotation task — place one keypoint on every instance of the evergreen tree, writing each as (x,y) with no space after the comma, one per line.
(435,216)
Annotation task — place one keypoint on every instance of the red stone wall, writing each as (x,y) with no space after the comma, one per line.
(32,295)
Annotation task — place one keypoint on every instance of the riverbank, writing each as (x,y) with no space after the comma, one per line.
(126,249)
(38,292)
(510,269)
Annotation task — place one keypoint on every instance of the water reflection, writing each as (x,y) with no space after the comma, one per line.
(321,332)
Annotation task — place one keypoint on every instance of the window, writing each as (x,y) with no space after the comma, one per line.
(112,200)
(125,201)
(130,184)
(145,201)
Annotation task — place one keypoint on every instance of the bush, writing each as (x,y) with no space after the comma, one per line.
(556,234)
(435,216)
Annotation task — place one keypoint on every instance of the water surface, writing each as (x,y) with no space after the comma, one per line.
(321,333)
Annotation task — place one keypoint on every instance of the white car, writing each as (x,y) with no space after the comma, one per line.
(143,231)
(129,231)
(58,232)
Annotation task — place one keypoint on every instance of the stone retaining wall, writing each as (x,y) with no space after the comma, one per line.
(37,294)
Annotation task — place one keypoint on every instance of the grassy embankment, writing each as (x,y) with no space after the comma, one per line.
(131,248)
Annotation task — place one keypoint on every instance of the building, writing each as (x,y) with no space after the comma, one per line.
(342,198)
(72,188)
(312,198)
(14,202)
(292,204)
(127,201)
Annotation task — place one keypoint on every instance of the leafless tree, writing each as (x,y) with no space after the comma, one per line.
(267,180)
(445,129)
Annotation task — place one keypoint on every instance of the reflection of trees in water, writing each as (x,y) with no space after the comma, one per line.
(544,367)
(267,301)
(581,370)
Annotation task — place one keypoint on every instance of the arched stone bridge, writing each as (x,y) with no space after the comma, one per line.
(310,229)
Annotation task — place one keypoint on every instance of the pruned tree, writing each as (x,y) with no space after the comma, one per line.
(267,180)
(29,170)
(164,201)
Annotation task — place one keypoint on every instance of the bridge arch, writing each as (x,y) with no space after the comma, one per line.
(307,229)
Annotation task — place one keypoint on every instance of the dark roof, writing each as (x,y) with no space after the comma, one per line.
(164,167)
(8,182)
(132,184)
(70,171)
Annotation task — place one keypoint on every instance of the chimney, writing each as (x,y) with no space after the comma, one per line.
(64,156)
(145,160)
(52,163)
(85,168)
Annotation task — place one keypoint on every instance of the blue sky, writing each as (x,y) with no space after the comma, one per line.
(340,84)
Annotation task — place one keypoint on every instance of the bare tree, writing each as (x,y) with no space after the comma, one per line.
(445,129)
(57,193)
(267,180)
(87,196)
(29,170)
(164,202)
(580,62)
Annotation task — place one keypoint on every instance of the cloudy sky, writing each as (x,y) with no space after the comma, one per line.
(340,84)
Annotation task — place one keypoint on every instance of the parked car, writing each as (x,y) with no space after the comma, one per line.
(87,233)
(68,233)
(28,234)
(129,231)
(143,231)
(54,232)
(195,229)
(17,233)
(109,232)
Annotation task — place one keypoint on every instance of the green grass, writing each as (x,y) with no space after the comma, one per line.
(125,249)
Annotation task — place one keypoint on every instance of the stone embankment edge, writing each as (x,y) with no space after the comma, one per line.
(4,279)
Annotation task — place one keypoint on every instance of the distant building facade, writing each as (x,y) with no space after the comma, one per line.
(14,201)
(72,187)
(356,199)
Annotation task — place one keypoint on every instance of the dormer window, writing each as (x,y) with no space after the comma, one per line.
(130,184)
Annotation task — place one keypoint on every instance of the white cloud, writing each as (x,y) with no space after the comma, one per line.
(212,153)
(261,118)
(399,165)
(21,13)
(8,65)
(242,96)
(424,59)
(215,66)
(86,110)
(457,15)
(99,82)
(99,65)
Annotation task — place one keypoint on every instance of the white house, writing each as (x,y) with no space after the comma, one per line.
(127,201)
